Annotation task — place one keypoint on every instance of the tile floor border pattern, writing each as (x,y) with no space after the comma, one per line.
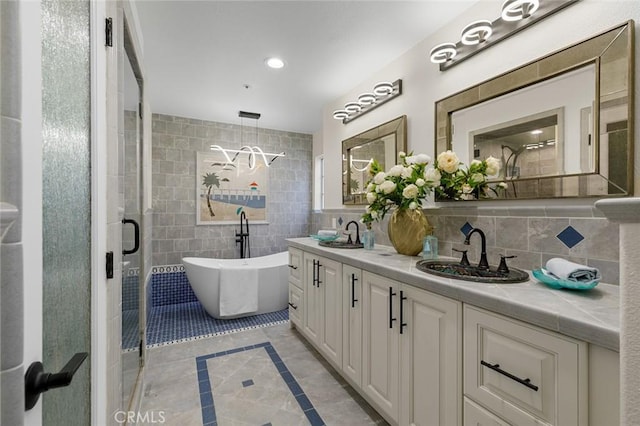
(206,391)
(219,333)
(186,322)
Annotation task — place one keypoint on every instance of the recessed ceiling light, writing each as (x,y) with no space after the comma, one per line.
(275,63)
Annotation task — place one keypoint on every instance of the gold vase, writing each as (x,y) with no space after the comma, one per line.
(407,229)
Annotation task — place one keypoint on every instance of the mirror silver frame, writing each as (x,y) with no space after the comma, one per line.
(590,51)
(397,126)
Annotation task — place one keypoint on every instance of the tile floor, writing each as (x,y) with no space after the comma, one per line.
(263,376)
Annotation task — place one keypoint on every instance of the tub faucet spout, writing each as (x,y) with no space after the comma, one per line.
(346,228)
(484,264)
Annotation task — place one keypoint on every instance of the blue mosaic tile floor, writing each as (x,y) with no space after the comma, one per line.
(189,321)
(130,329)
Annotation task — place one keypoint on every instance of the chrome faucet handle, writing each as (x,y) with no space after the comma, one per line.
(464,261)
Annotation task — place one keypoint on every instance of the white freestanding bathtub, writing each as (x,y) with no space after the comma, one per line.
(271,273)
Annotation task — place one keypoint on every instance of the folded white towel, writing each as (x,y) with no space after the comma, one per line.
(238,290)
(327,232)
(571,271)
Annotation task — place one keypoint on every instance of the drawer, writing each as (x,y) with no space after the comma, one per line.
(475,415)
(295,304)
(295,266)
(524,374)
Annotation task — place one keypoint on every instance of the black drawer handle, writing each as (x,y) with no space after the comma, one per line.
(293,306)
(496,368)
(402,299)
(293,267)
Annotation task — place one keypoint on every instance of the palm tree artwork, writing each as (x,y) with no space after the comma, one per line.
(210,180)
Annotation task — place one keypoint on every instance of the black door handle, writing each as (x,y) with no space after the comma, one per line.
(402,299)
(37,381)
(136,236)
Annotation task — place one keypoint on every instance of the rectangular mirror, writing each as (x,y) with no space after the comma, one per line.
(556,123)
(382,143)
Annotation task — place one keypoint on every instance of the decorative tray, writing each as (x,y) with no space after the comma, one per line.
(554,282)
(324,237)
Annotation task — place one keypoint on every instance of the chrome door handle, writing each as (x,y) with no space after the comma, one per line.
(36,381)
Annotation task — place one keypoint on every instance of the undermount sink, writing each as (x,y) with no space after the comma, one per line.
(453,269)
(341,244)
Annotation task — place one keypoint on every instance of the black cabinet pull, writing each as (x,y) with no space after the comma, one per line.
(136,236)
(293,306)
(293,267)
(353,290)
(402,299)
(391,318)
(318,278)
(496,368)
(314,272)
(36,381)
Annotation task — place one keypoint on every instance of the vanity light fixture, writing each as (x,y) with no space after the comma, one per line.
(476,32)
(515,10)
(443,52)
(516,15)
(366,98)
(382,92)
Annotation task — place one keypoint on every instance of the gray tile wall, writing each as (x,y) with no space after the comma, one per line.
(530,233)
(176,140)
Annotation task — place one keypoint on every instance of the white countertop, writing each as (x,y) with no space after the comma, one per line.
(592,315)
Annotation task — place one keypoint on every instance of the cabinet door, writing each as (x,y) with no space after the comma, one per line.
(380,352)
(431,358)
(330,292)
(312,305)
(352,323)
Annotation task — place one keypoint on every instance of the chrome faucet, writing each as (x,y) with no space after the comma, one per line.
(346,228)
(484,264)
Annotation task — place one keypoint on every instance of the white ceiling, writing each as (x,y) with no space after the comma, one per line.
(198,55)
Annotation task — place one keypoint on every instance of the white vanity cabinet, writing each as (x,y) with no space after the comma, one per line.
(411,352)
(352,323)
(523,374)
(296,294)
(322,314)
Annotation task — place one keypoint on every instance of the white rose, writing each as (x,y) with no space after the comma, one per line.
(411,191)
(371,187)
(432,175)
(493,166)
(402,154)
(371,197)
(422,159)
(448,161)
(466,188)
(406,172)
(374,214)
(475,163)
(410,160)
(420,182)
(477,178)
(413,205)
(388,187)
(379,178)
(395,170)
(502,185)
